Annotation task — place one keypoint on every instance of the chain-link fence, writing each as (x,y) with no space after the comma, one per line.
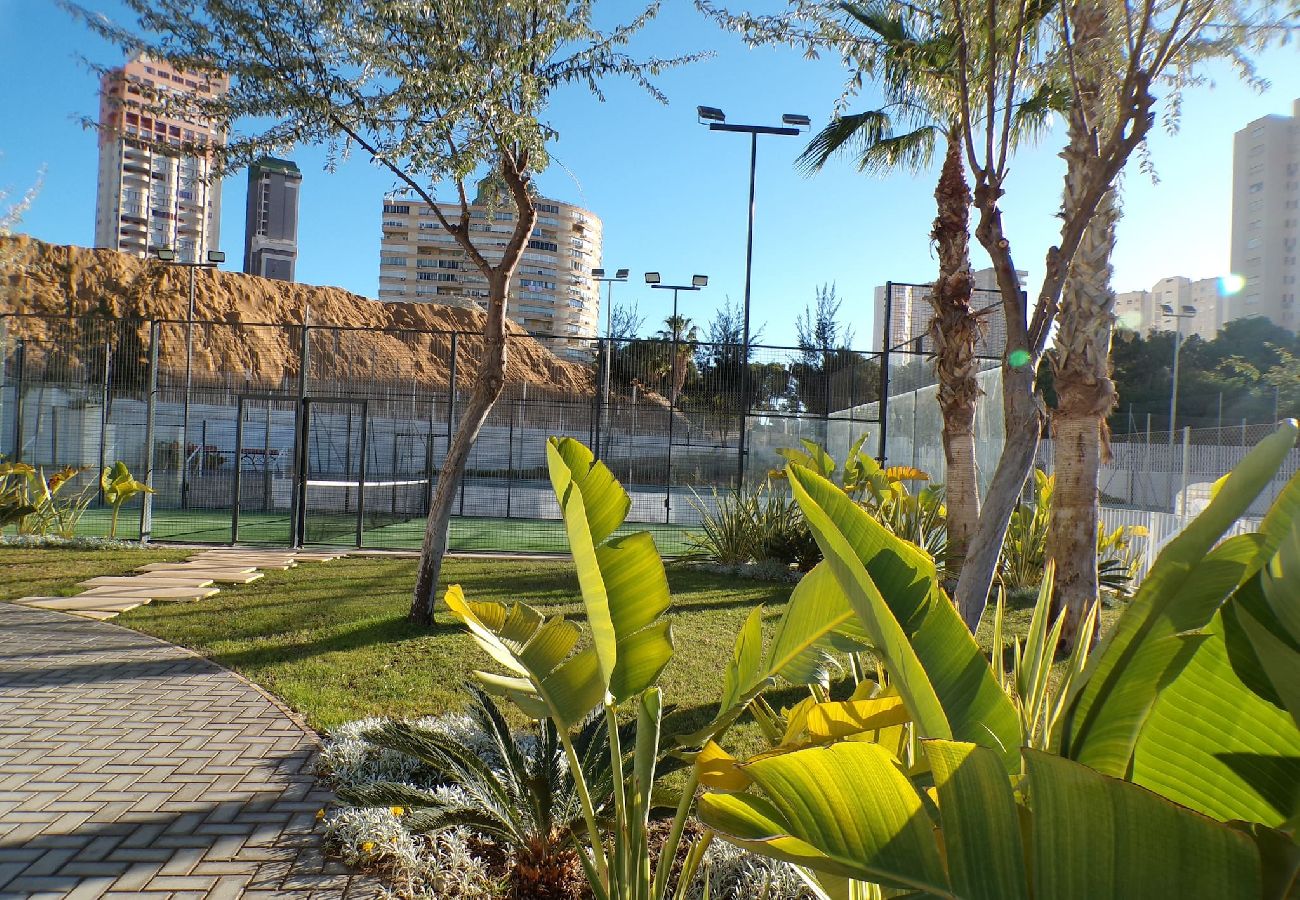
(276,434)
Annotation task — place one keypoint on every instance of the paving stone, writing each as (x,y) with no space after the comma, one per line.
(80,602)
(158,592)
(142,770)
(150,578)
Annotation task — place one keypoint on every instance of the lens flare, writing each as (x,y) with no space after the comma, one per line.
(1130,321)
(1018,358)
(1231,284)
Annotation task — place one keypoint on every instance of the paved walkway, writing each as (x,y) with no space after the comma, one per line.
(129,767)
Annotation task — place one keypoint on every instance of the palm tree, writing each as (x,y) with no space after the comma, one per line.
(683,333)
(915,69)
(1081,361)
(922,102)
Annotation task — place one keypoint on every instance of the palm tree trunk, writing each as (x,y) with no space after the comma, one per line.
(1085,392)
(954,330)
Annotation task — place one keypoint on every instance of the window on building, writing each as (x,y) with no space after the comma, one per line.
(544,245)
(398,208)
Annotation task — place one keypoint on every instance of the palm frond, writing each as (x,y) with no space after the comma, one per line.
(1034,114)
(852,131)
(387,793)
(912,151)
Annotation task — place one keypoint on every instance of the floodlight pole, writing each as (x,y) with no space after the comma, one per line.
(753,131)
(168,256)
(673,325)
(1173,388)
(609,344)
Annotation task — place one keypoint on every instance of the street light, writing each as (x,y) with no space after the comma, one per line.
(1189,312)
(698,282)
(793,123)
(214,258)
(598,275)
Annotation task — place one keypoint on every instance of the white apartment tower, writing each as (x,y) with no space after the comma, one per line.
(153,171)
(1266,218)
(552,294)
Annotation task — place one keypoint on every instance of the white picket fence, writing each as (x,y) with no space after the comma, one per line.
(1162,527)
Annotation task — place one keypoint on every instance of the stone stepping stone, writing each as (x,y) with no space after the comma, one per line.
(194,567)
(154,593)
(82,604)
(197,580)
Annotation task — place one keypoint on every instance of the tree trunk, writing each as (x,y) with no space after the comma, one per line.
(955,330)
(1085,392)
(1024,425)
(489,382)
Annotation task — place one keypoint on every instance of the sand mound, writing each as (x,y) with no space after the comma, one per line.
(58,280)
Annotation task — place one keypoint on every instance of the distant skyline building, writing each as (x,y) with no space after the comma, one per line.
(1266,218)
(1142,311)
(154,189)
(910,314)
(271,222)
(552,293)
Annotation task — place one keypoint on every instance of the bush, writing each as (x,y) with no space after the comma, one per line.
(754,525)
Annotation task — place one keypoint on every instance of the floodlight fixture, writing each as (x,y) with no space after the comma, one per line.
(216,256)
(652,278)
(710,114)
(699,281)
(1166,309)
(597,273)
(1189,310)
(797,120)
(621,274)
(166,254)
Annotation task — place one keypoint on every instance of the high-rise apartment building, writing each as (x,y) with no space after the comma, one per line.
(271,223)
(1266,218)
(910,314)
(552,294)
(1203,300)
(153,189)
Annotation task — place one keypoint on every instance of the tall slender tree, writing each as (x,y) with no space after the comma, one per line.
(432,91)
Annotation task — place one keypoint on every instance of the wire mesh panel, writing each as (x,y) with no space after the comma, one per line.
(268,433)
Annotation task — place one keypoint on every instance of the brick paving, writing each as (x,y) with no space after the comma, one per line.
(132,768)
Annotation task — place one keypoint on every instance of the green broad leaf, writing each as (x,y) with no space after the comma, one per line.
(1152,641)
(816,613)
(981,827)
(1214,745)
(574,689)
(754,824)
(1282,521)
(641,660)
(605,503)
(939,670)
(1279,661)
(1095,836)
(550,645)
(594,596)
(1281,584)
(743,668)
(623,582)
(844,809)
(1183,589)
(649,718)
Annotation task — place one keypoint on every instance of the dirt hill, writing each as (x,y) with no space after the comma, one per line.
(58,280)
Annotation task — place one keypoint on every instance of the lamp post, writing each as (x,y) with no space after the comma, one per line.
(792,124)
(214,259)
(598,275)
(698,282)
(1188,312)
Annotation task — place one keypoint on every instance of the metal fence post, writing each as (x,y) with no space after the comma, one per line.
(103,412)
(4,367)
(150,411)
(19,390)
(1182,494)
(882,413)
(297,501)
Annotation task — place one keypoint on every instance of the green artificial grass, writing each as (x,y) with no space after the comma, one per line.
(480,533)
(56,572)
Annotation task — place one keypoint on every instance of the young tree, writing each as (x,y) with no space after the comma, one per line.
(680,333)
(824,345)
(432,91)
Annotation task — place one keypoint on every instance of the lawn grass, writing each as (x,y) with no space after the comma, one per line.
(52,572)
(332,639)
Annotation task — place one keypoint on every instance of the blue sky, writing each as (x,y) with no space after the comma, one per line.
(673,195)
